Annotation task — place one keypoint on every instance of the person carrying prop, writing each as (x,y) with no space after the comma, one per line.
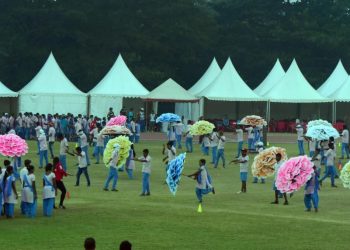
(204,182)
(10,192)
(311,192)
(170,152)
(243,161)
(113,169)
(130,162)
(260,148)
(82,165)
(277,192)
(221,150)
(330,169)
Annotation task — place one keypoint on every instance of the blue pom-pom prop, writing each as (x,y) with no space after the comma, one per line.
(174,172)
(168,117)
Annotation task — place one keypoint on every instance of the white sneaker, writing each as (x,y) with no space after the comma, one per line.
(239,192)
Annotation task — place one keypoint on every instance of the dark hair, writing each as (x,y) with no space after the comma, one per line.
(7,163)
(90,243)
(48,167)
(202,161)
(133,150)
(146,151)
(125,245)
(9,169)
(30,168)
(27,162)
(60,135)
(56,160)
(278,155)
(78,149)
(331,145)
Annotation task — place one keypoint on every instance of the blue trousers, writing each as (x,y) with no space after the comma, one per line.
(345,149)
(0,204)
(256,179)
(113,174)
(30,209)
(311,153)
(329,171)
(9,210)
(239,148)
(205,150)
(63,161)
(145,183)
(132,138)
(130,173)
(27,133)
(85,171)
(178,140)
(221,154)
(85,149)
(301,147)
(251,144)
(201,192)
(51,148)
(42,156)
(98,151)
(213,153)
(48,205)
(189,144)
(308,198)
(137,138)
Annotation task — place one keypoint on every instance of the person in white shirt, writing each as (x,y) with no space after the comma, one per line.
(42,148)
(93,138)
(37,134)
(214,141)
(206,144)
(171,134)
(250,138)
(300,134)
(130,162)
(170,152)
(312,145)
(64,146)
(243,161)
(221,148)
(345,142)
(83,143)
(146,172)
(99,147)
(29,194)
(239,139)
(179,127)
(189,138)
(22,174)
(316,159)
(277,166)
(52,136)
(152,121)
(330,169)
(82,165)
(113,169)
(49,191)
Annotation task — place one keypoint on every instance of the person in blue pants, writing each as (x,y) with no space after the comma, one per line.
(49,191)
(189,138)
(345,142)
(300,133)
(330,169)
(311,192)
(113,169)
(214,140)
(221,150)
(146,172)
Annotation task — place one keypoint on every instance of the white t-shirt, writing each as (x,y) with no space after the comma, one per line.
(63,146)
(239,133)
(221,144)
(49,191)
(204,178)
(188,135)
(27,193)
(152,117)
(330,155)
(277,167)
(19,121)
(243,167)
(42,142)
(206,141)
(250,132)
(77,127)
(170,153)
(300,133)
(312,145)
(94,133)
(345,136)
(83,140)
(214,140)
(179,127)
(146,166)
(100,140)
(115,158)
(171,134)
(52,133)
(12,198)
(82,160)
(22,173)
(317,161)
(37,131)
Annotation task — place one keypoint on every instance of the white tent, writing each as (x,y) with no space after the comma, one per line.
(271,79)
(192,111)
(334,81)
(119,82)
(7,102)
(342,93)
(50,91)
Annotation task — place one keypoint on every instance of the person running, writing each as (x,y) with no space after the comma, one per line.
(170,152)
(82,166)
(60,173)
(330,169)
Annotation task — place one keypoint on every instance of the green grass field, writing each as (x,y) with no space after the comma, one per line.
(162,221)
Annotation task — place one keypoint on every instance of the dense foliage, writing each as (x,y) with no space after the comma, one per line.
(171,38)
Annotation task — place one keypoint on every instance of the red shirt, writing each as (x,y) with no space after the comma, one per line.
(59,172)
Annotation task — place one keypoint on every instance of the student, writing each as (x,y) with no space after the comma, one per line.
(82,166)
(239,134)
(90,244)
(110,113)
(42,148)
(146,172)
(171,134)
(10,192)
(130,163)
(22,173)
(84,145)
(49,191)
(300,134)
(152,121)
(250,138)
(316,159)
(52,136)
(260,148)
(189,138)
(214,140)
(137,132)
(113,169)
(278,164)
(99,146)
(29,194)
(179,127)
(204,182)
(37,134)
(170,152)
(221,152)
(206,144)
(63,150)
(312,146)
(330,169)
(60,173)
(345,142)
(243,161)
(311,192)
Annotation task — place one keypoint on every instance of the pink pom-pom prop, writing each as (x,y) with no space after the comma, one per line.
(119,120)
(293,174)
(12,145)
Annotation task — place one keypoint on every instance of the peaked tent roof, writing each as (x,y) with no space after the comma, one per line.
(210,74)
(276,73)
(6,92)
(334,81)
(51,80)
(170,91)
(119,81)
(342,93)
(294,88)
(229,86)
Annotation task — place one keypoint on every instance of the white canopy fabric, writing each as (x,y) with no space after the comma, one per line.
(50,91)
(294,88)
(334,81)
(276,73)
(342,94)
(229,86)
(119,82)
(170,91)
(6,92)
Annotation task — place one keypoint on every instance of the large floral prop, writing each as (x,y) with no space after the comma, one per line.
(124,147)
(313,123)
(168,117)
(12,145)
(321,130)
(253,120)
(293,174)
(115,130)
(345,175)
(174,172)
(264,162)
(119,120)
(201,128)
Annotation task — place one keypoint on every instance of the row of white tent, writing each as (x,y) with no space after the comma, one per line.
(50,91)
